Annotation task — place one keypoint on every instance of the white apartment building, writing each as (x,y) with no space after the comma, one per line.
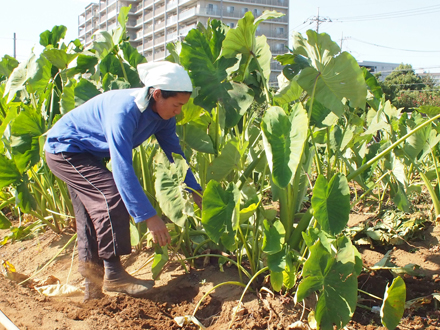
(154,23)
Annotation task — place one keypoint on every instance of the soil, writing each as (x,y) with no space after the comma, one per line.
(177,292)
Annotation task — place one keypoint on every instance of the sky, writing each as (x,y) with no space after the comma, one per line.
(396,31)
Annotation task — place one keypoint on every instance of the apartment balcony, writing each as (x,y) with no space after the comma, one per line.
(111,14)
(278,50)
(159,55)
(188,13)
(272,34)
(172,20)
(148,44)
(184,31)
(279,3)
(144,19)
(159,11)
(159,40)
(276,66)
(181,2)
(146,5)
(171,36)
(171,4)
(159,25)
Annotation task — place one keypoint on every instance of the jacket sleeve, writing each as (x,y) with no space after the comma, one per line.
(169,142)
(119,130)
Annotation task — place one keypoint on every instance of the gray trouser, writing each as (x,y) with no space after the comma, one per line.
(102,220)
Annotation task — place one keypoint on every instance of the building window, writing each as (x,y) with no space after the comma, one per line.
(244,10)
(231,25)
(212,9)
(230,9)
(257,12)
(280,30)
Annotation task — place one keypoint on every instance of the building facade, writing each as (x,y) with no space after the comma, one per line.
(384,68)
(154,23)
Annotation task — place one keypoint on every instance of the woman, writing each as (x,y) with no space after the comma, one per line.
(111,125)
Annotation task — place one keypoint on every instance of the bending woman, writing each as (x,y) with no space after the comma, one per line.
(111,125)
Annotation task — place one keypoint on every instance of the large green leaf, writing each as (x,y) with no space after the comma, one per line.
(242,40)
(53,37)
(321,115)
(393,305)
(289,91)
(293,64)
(228,160)
(25,132)
(335,277)
(284,138)
(331,203)
(67,100)
(276,280)
(414,144)
(170,189)
(86,63)
(218,206)
(131,54)
(273,239)
(18,78)
(24,199)
(331,78)
(84,91)
(160,259)
(196,137)
(277,262)
(189,112)
(39,74)
(4,222)
(206,72)
(239,101)
(7,65)
(9,172)
(110,82)
(59,58)
(111,64)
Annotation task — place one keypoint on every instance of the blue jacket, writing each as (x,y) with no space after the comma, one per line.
(111,125)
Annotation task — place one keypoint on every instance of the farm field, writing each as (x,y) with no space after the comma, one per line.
(177,292)
(321,198)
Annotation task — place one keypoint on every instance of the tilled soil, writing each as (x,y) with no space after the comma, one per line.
(178,292)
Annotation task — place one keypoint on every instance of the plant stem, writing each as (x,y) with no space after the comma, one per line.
(212,289)
(220,256)
(50,261)
(244,292)
(389,149)
(45,221)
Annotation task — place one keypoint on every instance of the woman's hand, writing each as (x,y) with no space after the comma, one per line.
(198,198)
(158,230)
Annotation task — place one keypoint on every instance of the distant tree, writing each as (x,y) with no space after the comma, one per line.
(399,85)
(405,89)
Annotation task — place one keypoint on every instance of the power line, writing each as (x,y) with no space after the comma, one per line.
(405,50)
(396,14)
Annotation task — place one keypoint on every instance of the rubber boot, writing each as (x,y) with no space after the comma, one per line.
(116,279)
(92,290)
(94,275)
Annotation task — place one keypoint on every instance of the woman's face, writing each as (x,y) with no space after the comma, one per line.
(170,107)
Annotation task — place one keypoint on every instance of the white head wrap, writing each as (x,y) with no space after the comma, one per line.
(162,75)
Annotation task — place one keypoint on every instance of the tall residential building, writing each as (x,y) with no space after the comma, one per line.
(154,23)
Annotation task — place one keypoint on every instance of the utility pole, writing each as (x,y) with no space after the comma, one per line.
(318,19)
(15,45)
